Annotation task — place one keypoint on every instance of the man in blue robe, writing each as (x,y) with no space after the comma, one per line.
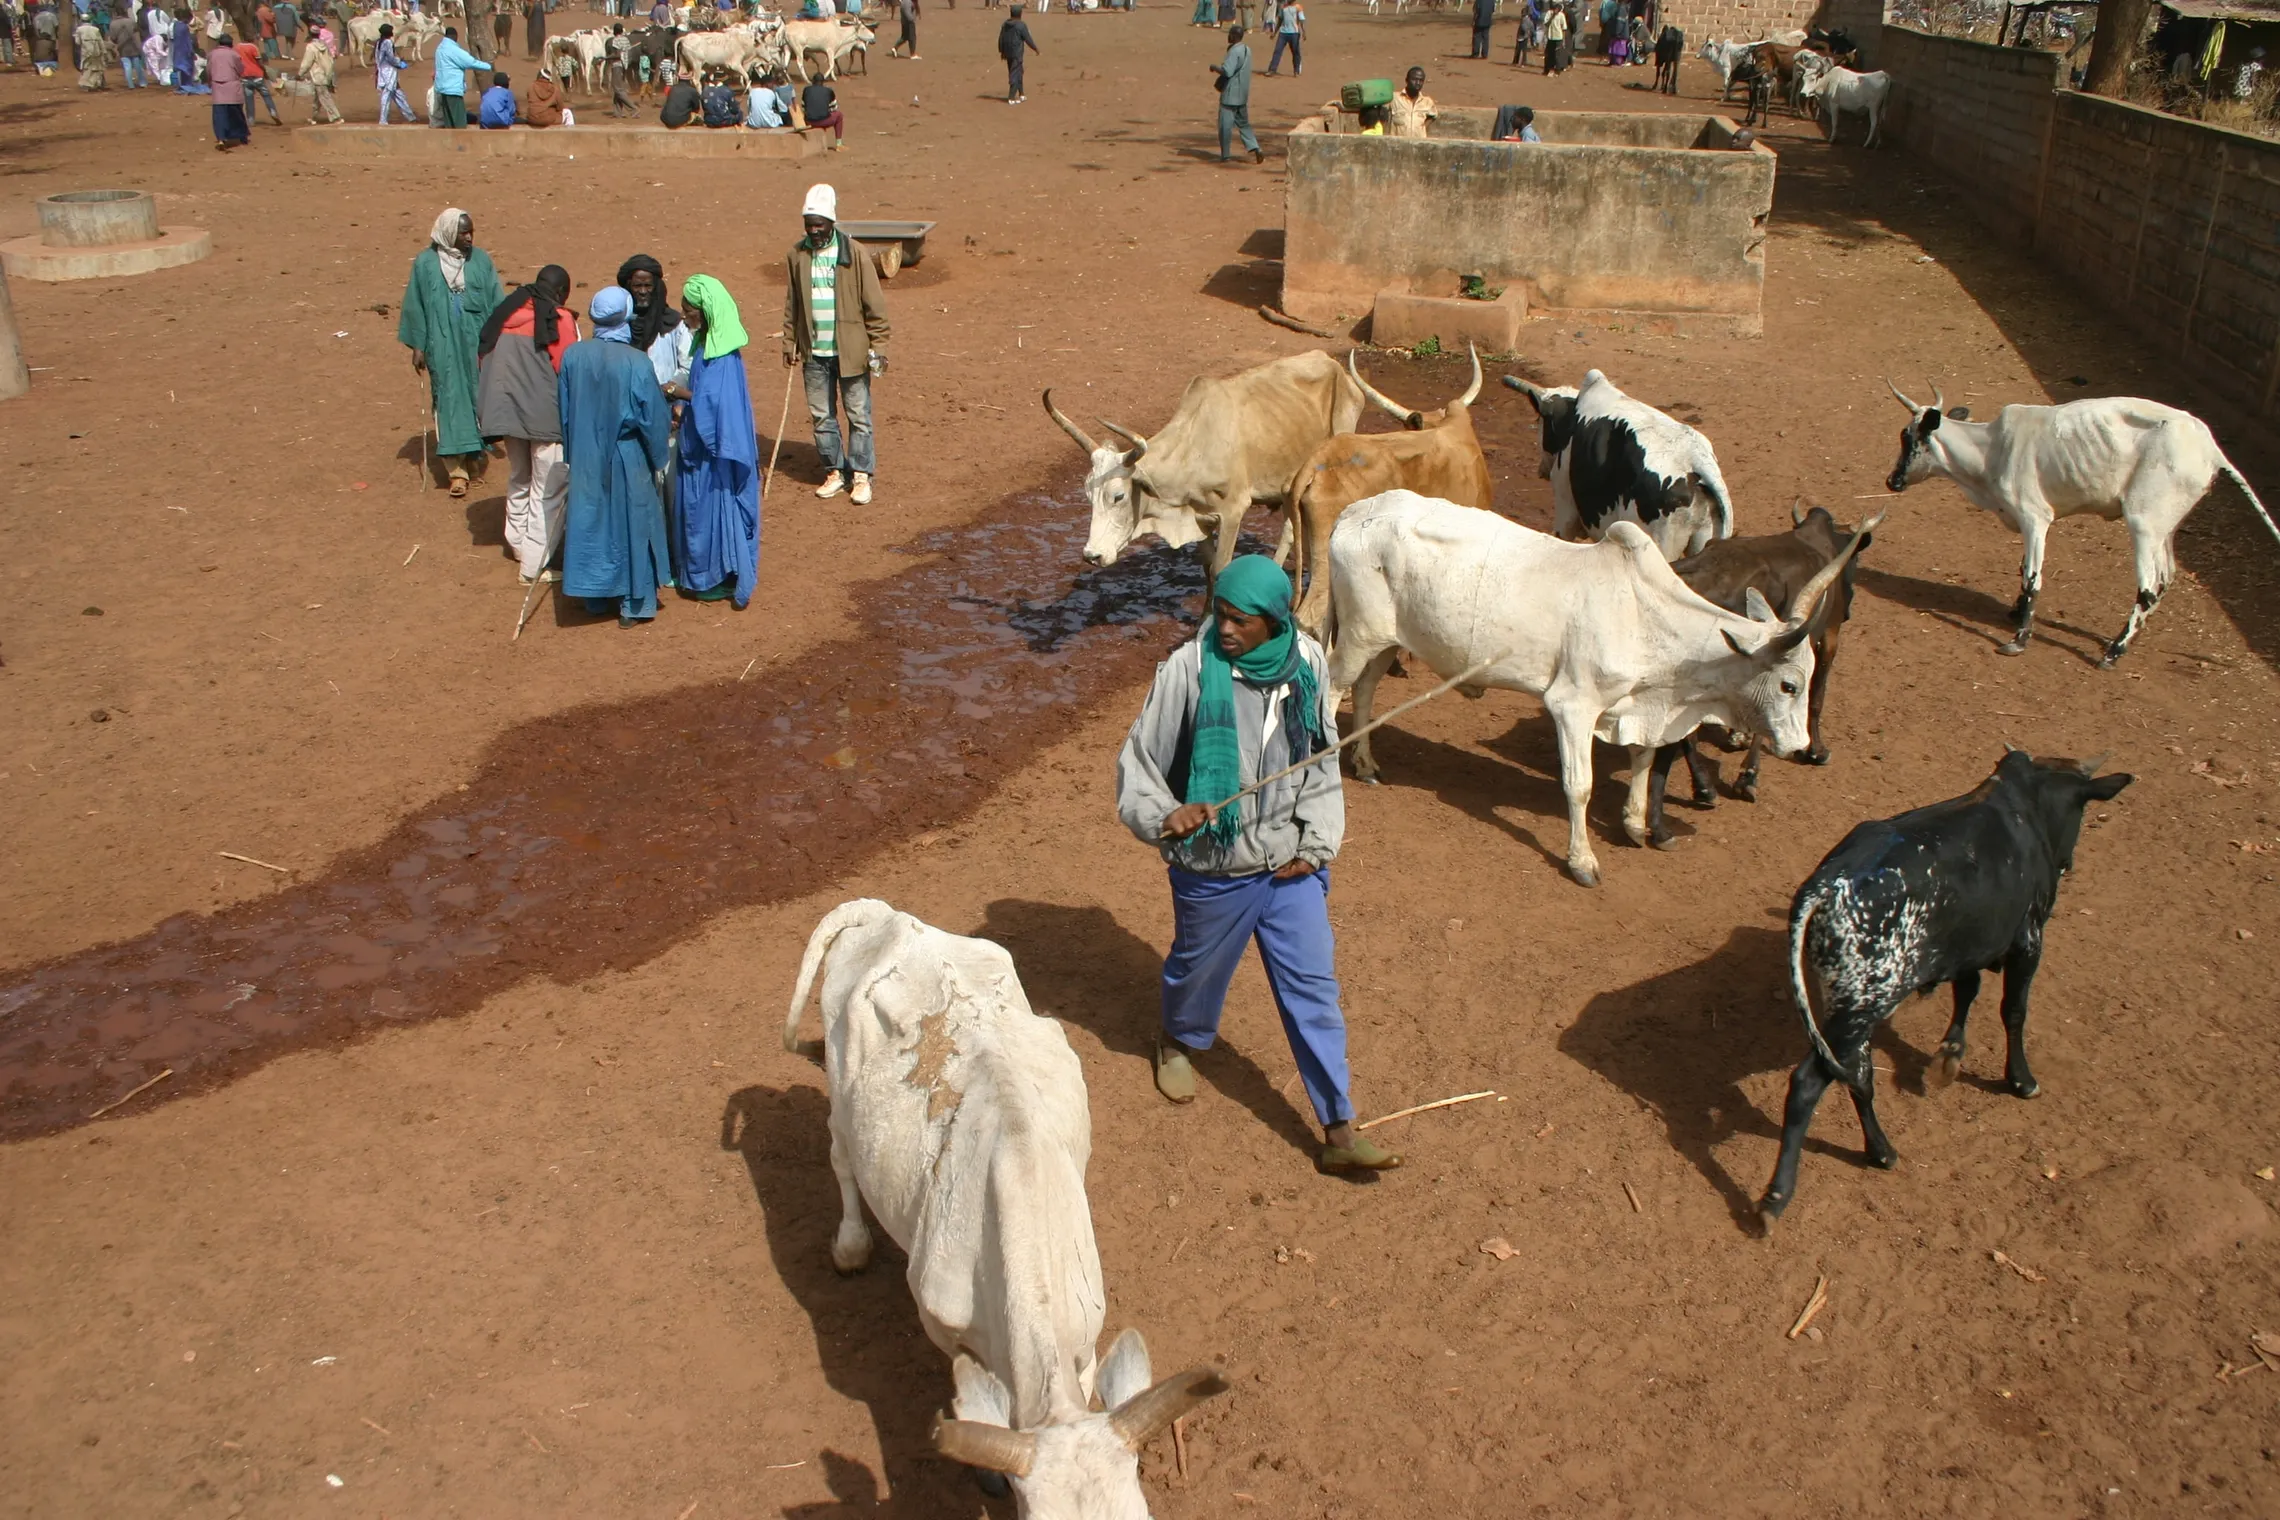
(717,494)
(615,425)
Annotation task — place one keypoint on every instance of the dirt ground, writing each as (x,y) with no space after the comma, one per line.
(564,1251)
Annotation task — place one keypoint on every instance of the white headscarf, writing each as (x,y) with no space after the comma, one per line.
(445,236)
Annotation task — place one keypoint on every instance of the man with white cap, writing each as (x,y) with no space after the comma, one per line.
(835,327)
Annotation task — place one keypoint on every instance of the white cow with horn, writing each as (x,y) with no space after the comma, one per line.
(2112,456)
(960,1117)
(1230,443)
(1616,645)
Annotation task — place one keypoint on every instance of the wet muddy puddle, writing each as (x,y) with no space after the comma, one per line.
(594,839)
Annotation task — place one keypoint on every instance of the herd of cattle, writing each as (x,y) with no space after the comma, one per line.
(762,46)
(960,1116)
(1813,70)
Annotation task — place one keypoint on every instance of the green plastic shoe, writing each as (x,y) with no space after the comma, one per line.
(1175,1073)
(1364,1155)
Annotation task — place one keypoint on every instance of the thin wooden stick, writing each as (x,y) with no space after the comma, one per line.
(138,1092)
(408,558)
(1370,727)
(376,1425)
(1813,1306)
(692,1509)
(249,860)
(1179,1444)
(1403,1113)
(1281,320)
(748,664)
(1633,1194)
(783,418)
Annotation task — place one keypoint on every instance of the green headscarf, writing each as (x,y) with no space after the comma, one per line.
(724,329)
(1256,587)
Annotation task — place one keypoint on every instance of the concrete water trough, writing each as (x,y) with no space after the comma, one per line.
(101,234)
(1615,218)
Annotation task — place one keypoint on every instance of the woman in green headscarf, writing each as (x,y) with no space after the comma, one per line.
(1243,699)
(453,288)
(716,496)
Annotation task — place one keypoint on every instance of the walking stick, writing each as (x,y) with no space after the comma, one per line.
(427,465)
(782,417)
(538,580)
(1459,679)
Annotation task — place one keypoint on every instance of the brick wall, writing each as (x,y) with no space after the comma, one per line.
(1739,20)
(1979,113)
(2171,226)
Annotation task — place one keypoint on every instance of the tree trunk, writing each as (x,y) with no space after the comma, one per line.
(2121,31)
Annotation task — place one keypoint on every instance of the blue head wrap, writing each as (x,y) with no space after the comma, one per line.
(612,311)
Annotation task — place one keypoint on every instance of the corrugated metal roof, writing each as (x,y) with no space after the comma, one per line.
(2226,10)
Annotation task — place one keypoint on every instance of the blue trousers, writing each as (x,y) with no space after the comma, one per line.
(1213,918)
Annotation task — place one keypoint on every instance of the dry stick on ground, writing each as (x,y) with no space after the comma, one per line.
(748,664)
(1403,1113)
(1370,727)
(376,1425)
(1813,1306)
(408,557)
(138,1092)
(1295,325)
(249,860)
(1179,1444)
(1632,1193)
(692,1509)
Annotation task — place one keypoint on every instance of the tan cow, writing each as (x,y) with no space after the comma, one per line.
(1439,456)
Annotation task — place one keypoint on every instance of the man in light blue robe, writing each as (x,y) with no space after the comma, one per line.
(615,425)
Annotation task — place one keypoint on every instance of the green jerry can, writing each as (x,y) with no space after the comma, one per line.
(1366,93)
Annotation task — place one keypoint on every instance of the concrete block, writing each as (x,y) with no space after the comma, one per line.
(1401,320)
(352,141)
(31,258)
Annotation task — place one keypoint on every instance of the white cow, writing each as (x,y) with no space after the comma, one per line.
(412,34)
(2116,456)
(1725,57)
(586,53)
(733,50)
(1841,90)
(960,1117)
(834,40)
(1616,645)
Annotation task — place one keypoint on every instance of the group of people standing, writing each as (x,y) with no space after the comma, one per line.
(632,459)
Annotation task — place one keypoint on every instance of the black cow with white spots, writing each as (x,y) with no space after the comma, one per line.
(1611,458)
(1940,894)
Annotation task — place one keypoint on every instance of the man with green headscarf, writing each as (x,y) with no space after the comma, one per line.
(1242,700)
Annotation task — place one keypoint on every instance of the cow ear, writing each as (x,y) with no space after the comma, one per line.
(1959,413)
(2107,788)
(981,1398)
(1756,607)
(1124,1373)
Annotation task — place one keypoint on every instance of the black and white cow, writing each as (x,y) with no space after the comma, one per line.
(1612,459)
(1936,895)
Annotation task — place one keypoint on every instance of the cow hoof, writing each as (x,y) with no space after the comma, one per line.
(1817,755)
(1769,1210)
(2113,653)
(1746,789)
(1585,876)
(1706,800)
(1945,1068)
(2027,1089)
(1884,1160)
(1665,840)
(1636,833)
(850,1256)
(2016,646)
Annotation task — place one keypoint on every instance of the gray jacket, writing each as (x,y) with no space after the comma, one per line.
(1236,68)
(1301,817)
(516,393)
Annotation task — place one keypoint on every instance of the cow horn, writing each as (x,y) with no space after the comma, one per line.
(1902,397)
(1145,1414)
(1871,525)
(992,1447)
(2012,749)
(1139,444)
(1796,512)
(1392,407)
(1067,426)
(2091,766)
(1809,597)
(1939,399)
(1472,395)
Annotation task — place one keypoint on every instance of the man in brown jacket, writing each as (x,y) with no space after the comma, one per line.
(835,327)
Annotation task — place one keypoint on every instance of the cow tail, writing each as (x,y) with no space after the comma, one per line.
(848,915)
(1798,923)
(2233,473)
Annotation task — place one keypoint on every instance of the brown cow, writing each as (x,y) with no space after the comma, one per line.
(1774,568)
(1439,456)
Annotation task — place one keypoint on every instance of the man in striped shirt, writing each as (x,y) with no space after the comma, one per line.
(835,327)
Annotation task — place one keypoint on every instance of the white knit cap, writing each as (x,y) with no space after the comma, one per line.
(821,201)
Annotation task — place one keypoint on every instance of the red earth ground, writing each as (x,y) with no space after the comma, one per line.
(564,1252)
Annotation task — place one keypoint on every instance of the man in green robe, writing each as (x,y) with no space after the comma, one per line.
(452,290)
